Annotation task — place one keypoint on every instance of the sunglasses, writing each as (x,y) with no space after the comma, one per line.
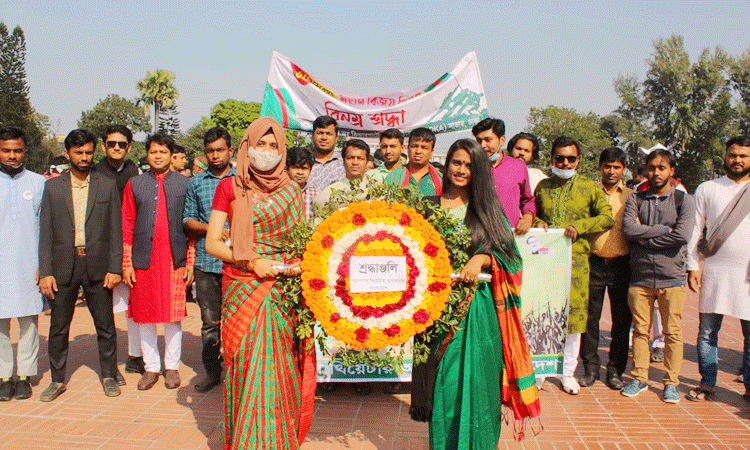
(561,158)
(122,144)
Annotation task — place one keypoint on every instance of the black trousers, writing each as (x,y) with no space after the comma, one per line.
(99,302)
(612,275)
(208,291)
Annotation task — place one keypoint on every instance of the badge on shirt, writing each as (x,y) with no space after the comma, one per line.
(27,195)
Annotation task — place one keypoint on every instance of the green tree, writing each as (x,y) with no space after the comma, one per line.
(15,107)
(686,106)
(552,122)
(234,116)
(114,110)
(158,89)
(168,121)
(740,79)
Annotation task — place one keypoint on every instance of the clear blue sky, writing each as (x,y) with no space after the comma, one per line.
(530,54)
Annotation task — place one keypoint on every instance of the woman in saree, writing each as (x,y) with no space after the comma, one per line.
(270,381)
(485,362)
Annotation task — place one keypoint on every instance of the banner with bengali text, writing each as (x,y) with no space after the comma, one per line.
(455,101)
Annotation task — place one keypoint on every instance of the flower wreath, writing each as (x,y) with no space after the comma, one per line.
(444,232)
(375,320)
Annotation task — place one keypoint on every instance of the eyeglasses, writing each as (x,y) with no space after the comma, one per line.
(561,158)
(122,144)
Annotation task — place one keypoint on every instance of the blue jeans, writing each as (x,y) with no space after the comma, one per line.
(708,338)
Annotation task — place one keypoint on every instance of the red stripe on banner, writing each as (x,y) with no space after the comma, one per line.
(282,104)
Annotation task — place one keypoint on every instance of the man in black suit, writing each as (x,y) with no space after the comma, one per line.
(80,245)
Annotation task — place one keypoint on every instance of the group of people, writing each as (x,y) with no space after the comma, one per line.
(147,235)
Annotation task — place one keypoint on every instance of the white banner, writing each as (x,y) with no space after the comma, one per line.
(456,101)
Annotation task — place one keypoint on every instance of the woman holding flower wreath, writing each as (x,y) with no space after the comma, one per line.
(270,383)
(486,362)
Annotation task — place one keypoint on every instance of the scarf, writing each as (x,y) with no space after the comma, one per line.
(729,219)
(249,183)
(433,174)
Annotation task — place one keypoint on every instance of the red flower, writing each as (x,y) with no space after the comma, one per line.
(436,286)
(359,219)
(392,330)
(405,219)
(335,317)
(431,249)
(421,316)
(362,334)
(327,241)
(317,284)
(379,312)
(343,269)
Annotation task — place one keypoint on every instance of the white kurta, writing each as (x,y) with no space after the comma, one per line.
(20,203)
(725,286)
(535,176)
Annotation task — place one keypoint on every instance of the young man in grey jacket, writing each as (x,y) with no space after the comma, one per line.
(658,222)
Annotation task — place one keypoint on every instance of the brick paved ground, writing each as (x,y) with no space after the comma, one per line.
(598,418)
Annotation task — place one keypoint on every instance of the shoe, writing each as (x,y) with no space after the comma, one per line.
(208,383)
(52,392)
(670,394)
(570,385)
(23,390)
(700,394)
(119,379)
(657,355)
(111,389)
(147,381)
(171,379)
(614,381)
(588,379)
(362,388)
(7,390)
(634,388)
(392,388)
(135,364)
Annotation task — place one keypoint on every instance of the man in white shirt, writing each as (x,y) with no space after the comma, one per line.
(721,210)
(525,146)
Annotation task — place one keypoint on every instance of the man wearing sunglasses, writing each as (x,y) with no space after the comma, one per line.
(116,142)
(577,204)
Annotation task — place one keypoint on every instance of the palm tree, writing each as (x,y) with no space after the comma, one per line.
(158,89)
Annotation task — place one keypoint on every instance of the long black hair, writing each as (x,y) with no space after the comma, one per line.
(485,218)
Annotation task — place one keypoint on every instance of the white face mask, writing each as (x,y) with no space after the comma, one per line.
(495,156)
(563,173)
(263,161)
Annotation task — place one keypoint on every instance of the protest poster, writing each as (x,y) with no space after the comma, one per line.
(454,101)
(545,295)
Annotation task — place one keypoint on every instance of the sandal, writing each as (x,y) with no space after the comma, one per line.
(700,394)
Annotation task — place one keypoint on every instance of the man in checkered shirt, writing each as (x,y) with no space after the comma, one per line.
(200,194)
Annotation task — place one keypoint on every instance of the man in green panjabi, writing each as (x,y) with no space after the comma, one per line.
(576,203)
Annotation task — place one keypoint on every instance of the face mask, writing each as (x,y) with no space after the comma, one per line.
(263,161)
(495,156)
(562,173)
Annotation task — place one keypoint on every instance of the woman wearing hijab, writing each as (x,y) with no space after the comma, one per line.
(466,378)
(270,382)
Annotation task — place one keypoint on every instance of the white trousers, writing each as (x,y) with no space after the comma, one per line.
(570,354)
(28,347)
(134,338)
(150,347)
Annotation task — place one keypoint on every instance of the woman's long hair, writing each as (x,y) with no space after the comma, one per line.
(485,218)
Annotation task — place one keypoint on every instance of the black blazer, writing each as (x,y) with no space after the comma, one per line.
(103,229)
